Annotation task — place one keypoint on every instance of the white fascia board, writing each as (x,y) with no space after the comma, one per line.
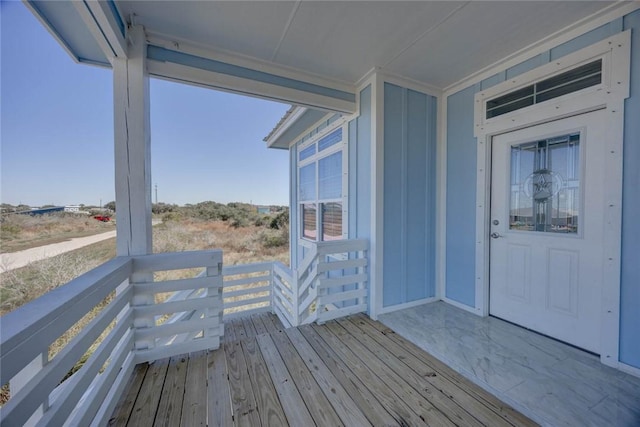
(189,47)
(286,124)
(568,33)
(229,83)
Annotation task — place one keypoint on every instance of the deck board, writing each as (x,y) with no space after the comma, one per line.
(170,407)
(194,407)
(148,399)
(351,372)
(219,397)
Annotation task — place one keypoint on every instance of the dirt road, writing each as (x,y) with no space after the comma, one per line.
(13,260)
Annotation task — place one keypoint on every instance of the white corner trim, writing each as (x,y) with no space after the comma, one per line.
(441,199)
(578,28)
(367,79)
(376,250)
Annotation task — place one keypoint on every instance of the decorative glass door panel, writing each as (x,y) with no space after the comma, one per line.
(545,185)
(544,191)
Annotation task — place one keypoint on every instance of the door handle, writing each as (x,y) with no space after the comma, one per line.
(495,235)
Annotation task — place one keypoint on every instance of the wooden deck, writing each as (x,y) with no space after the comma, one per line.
(350,372)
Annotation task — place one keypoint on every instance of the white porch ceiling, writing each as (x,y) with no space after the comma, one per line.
(438,43)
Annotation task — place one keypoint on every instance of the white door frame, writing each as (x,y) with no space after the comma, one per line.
(609,95)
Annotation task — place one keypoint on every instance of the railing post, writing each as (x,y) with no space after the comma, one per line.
(295,287)
(272,301)
(142,299)
(215,310)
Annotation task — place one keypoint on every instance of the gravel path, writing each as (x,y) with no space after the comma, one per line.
(13,260)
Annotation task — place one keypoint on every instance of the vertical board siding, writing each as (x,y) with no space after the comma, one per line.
(461,198)
(394,280)
(409,189)
(360,170)
(630,274)
(461,183)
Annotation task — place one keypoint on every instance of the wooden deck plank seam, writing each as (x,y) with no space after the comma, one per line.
(350,371)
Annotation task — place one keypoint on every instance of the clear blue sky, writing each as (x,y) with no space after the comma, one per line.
(57,131)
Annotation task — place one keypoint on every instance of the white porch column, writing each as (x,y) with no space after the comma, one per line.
(132,147)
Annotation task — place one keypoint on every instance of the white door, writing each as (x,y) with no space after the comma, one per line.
(547,219)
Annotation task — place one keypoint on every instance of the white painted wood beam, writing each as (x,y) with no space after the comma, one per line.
(103,26)
(104,17)
(132,148)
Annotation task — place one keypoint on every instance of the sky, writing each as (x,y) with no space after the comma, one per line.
(56,131)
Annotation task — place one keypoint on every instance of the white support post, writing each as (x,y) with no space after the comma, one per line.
(132,148)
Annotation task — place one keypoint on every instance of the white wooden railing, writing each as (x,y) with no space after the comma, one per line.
(330,283)
(126,328)
(137,318)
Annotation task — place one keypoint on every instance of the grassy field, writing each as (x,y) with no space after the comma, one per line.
(241,245)
(19,232)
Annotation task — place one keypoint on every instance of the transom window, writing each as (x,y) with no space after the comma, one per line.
(570,81)
(321,187)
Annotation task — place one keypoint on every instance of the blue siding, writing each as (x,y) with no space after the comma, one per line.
(409,195)
(630,286)
(360,170)
(461,182)
(461,198)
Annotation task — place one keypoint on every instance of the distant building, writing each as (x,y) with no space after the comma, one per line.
(263,209)
(72,208)
(42,211)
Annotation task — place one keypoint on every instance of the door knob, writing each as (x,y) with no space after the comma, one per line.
(495,235)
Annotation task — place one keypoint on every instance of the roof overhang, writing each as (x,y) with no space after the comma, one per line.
(294,123)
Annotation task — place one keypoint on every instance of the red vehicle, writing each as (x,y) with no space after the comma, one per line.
(102,218)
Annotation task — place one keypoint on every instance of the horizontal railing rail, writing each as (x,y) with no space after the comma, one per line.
(246,289)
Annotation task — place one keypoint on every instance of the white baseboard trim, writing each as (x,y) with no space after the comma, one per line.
(403,306)
(628,369)
(461,306)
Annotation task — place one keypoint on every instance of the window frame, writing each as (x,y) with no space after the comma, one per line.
(341,146)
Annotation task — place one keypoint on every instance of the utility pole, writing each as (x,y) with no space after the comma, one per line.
(156,194)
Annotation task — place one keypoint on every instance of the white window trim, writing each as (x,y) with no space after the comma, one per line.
(341,146)
(615,53)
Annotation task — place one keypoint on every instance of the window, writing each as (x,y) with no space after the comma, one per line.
(570,81)
(545,185)
(321,187)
